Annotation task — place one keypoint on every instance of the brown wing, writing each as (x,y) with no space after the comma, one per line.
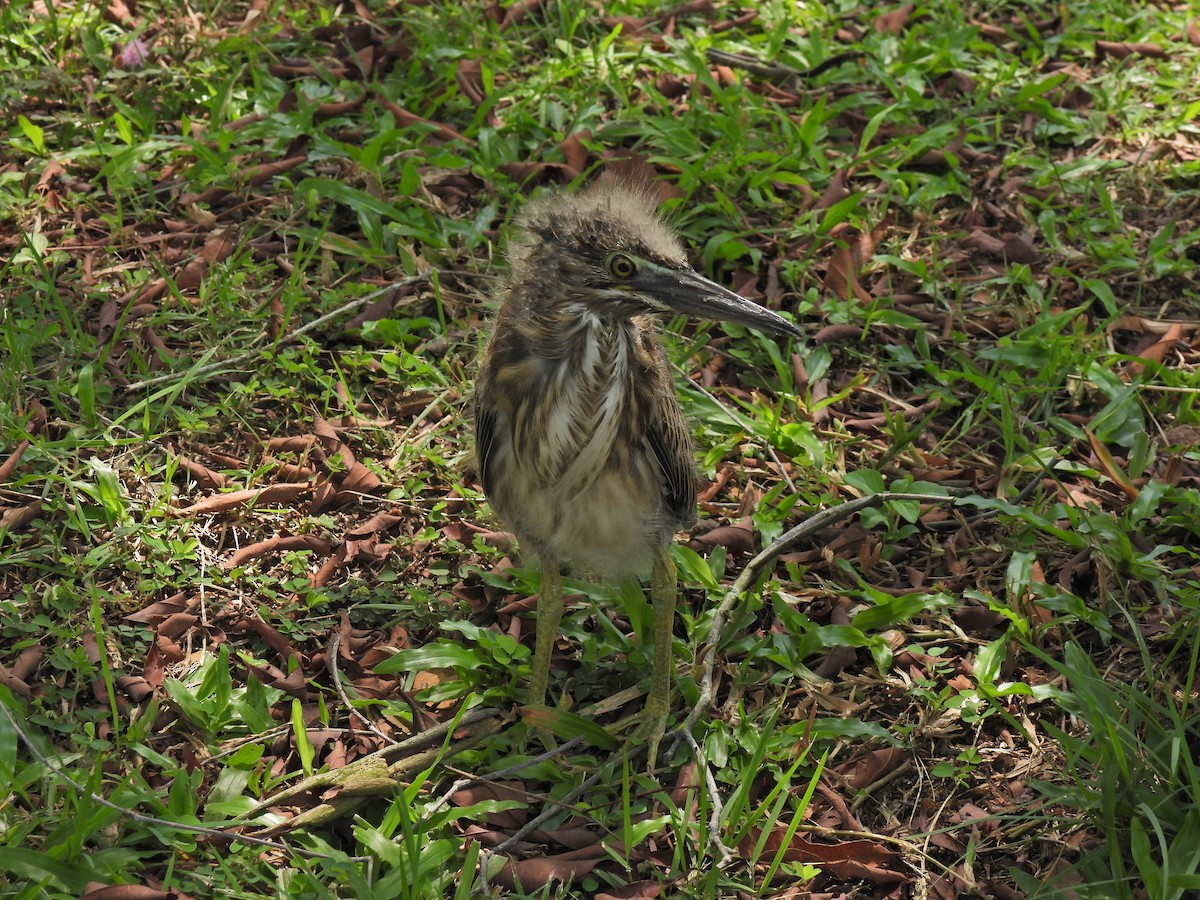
(671,442)
(498,391)
(485,440)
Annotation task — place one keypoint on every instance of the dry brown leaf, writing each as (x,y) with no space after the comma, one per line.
(535,874)
(154,669)
(836,661)
(714,489)
(405,118)
(1123,49)
(939,158)
(573,149)
(14,684)
(273,494)
(278,544)
(293,444)
(514,14)
(1157,351)
(1012,248)
(882,419)
(671,86)
(27,660)
(831,334)
(175,625)
(14,459)
(1151,326)
(453,189)
(734,538)
(118,11)
(217,248)
(1114,471)
(837,190)
(635,890)
(135,687)
(266,171)
(360,479)
(894,22)
(841,275)
(1025,603)
(1183,436)
(98,891)
(978,620)
(270,635)
(291,473)
(859,859)
(205,477)
(324,496)
(327,570)
(156,612)
(532,174)
(17,517)
(865,770)
(507,820)
(1018,248)
(469,77)
(52,170)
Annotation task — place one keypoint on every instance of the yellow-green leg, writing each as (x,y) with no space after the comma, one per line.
(549,615)
(663,589)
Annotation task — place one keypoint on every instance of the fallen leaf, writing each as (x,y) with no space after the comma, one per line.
(217,248)
(1123,49)
(278,544)
(1114,471)
(893,22)
(274,494)
(1157,351)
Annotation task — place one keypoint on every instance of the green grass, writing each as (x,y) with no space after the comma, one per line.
(986,222)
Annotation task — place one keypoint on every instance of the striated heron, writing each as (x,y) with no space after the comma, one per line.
(582,448)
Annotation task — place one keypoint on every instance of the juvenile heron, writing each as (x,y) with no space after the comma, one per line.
(583,450)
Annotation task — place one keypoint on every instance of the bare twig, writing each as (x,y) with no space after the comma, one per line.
(748,576)
(537,821)
(375,769)
(208,369)
(492,777)
(714,799)
(335,644)
(806,529)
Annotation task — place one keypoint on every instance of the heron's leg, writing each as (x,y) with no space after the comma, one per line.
(549,615)
(663,589)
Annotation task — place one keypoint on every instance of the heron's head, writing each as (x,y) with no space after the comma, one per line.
(609,250)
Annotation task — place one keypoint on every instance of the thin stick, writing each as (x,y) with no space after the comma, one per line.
(748,576)
(335,645)
(549,811)
(808,528)
(493,777)
(208,369)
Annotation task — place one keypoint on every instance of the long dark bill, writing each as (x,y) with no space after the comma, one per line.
(690,293)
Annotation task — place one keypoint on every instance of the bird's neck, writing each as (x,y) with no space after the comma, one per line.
(577,338)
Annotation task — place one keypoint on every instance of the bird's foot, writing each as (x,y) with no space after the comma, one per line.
(651,731)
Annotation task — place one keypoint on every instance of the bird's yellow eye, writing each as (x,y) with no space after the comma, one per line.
(621,266)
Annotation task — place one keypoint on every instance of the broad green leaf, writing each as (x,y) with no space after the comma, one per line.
(36,135)
(867,481)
